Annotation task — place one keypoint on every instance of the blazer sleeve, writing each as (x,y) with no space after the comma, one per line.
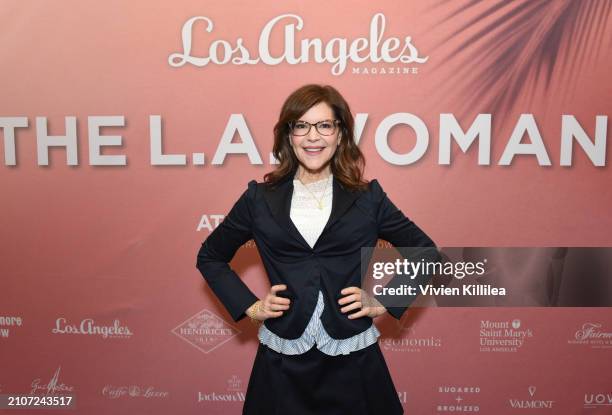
(218,250)
(395,228)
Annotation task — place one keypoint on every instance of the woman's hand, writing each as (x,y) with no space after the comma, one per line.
(357,298)
(271,306)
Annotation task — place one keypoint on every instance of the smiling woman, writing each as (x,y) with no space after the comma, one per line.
(317,123)
(314,147)
(318,351)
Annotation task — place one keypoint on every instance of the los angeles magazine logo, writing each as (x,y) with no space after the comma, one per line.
(337,51)
(89,327)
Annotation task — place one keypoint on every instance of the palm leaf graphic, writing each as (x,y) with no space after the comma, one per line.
(510,46)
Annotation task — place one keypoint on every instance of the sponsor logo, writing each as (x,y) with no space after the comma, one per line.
(8,322)
(337,51)
(531,402)
(89,327)
(52,387)
(410,341)
(503,336)
(592,334)
(132,391)
(234,392)
(205,331)
(464,398)
(234,383)
(209,222)
(597,400)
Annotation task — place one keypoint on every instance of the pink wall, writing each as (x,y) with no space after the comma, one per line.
(118,242)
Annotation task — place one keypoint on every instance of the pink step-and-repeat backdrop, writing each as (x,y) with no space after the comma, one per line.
(130,128)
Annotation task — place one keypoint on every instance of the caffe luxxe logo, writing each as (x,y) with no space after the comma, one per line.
(337,51)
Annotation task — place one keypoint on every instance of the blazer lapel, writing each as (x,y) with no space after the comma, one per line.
(279,202)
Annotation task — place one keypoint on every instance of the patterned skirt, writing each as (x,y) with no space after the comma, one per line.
(314,383)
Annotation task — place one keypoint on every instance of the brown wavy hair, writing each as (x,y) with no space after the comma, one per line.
(347,163)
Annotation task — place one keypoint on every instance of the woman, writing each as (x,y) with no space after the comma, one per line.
(318,351)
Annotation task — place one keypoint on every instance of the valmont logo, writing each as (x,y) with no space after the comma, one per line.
(337,51)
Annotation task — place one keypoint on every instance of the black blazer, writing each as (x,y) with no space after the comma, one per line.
(357,219)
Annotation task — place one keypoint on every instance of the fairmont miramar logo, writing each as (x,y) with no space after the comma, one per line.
(337,51)
(593,335)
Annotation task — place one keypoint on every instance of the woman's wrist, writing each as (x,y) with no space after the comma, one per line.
(253,311)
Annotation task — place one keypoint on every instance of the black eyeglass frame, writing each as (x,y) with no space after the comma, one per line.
(316,126)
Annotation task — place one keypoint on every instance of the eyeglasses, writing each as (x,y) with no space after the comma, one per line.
(325,127)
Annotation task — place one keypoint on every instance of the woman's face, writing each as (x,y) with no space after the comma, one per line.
(314,150)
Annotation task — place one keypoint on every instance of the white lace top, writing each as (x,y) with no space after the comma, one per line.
(310,221)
